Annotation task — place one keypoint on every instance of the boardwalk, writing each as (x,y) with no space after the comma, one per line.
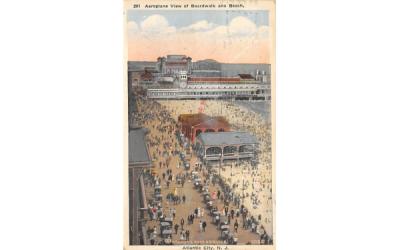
(161,120)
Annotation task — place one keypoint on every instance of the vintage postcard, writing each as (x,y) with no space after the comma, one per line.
(200,121)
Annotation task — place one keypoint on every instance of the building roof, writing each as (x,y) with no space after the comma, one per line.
(246,76)
(214,79)
(213,122)
(202,119)
(138,153)
(227,138)
(193,119)
(206,73)
(175,63)
(176,57)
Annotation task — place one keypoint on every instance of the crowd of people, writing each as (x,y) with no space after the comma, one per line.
(240,201)
(251,185)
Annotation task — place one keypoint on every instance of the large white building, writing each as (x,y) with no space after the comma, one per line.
(240,87)
(176,77)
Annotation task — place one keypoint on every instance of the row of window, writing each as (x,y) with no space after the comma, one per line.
(205,93)
(222,87)
(223,83)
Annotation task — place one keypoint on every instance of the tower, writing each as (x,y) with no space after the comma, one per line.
(161,64)
(258,76)
(189,65)
(183,79)
(264,77)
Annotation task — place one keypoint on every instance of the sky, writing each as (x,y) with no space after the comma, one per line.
(229,36)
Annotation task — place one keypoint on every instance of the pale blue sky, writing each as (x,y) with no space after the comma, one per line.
(182,18)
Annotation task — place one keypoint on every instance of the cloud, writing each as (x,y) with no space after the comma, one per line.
(241,40)
(242,26)
(156,24)
(239,27)
(198,26)
(220,31)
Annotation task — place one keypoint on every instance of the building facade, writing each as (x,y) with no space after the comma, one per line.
(177,77)
(226,146)
(174,64)
(214,88)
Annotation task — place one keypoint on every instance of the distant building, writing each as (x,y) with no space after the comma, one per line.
(177,77)
(173,64)
(192,125)
(222,146)
(237,87)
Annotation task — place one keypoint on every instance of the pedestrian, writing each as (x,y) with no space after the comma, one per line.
(182,223)
(201,226)
(176,227)
(192,218)
(236,225)
(204,226)
(182,236)
(187,234)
